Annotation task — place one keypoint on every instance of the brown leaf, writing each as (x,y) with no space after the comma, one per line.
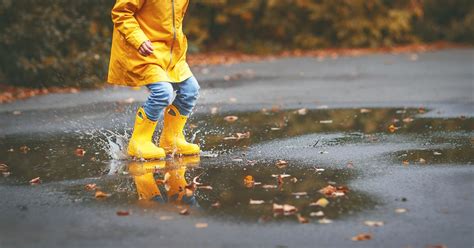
(362,237)
(322,202)
(201,225)
(24,149)
(185,211)
(422,161)
(80,152)
(249,181)
(256,202)
(91,186)
(392,128)
(405,162)
(123,213)
(436,246)
(3,167)
(100,194)
(374,223)
(36,180)
(302,219)
(365,111)
(285,209)
(231,118)
(281,164)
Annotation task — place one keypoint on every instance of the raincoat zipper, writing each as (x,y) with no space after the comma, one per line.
(174,35)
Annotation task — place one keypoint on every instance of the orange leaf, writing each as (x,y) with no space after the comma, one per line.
(362,237)
(249,181)
(35,181)
(231,118)
(100,194)
(80,152)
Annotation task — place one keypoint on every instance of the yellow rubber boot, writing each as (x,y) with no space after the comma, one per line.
(140,145)
(172,138)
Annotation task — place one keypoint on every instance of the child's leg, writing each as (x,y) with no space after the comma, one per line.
(187,93)
(161,95)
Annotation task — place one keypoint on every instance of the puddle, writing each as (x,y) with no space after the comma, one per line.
(55,158)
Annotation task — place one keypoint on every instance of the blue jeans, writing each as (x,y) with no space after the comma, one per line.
(161,95)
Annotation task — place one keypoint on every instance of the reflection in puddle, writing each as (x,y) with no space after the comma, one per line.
(55,159)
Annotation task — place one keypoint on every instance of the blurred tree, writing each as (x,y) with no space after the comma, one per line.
(67,43)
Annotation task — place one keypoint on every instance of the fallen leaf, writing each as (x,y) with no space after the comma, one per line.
(166,217)
(90,186)
(401,210)
(302,219)
(231,118)
(392,128)
(214,110)
(362,237)
(436,246)
(422,161)
(245,135)
(284,209)
(405,162)
(24,149)
(408,120)
(374,223)
(275,128)
(299,193)
(3,167)
(281,175)
(216,205)
(16,112)
(36,180)
(437,153)
(129,100)
(333,191)
(365,111)
(325,121)
(256,202)
(237,160)
(294,179)
(123,213)
(325,221)
(269,186)
(249,181)
(208,187)
(302,111)
(322,202)
(80,152)
(100,194)
(317,214)
(185,211)
(201,225)
(281,164)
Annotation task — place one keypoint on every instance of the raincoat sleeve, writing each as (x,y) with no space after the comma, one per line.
(123,17)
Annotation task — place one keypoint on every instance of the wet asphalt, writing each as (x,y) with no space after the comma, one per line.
(437,196)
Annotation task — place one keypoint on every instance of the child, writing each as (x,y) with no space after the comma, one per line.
(149,48)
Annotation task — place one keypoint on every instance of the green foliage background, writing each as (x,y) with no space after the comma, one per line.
(67,43)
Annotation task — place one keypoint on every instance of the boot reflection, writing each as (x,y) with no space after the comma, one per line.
(172,188)
(145,182)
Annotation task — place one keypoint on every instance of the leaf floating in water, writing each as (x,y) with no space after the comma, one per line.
(123,213)
(35,181)
(284,209)
(3,167)
(90,186)
(392,128)
(326,121)
(322,202)
(334,191)
(317,214)
(249,181)
(256,202)
(24,149)
(302,219)
(362,237)
(231,118)
(80,152)
(281,164)
(201,225)
(374,223)
(100,194)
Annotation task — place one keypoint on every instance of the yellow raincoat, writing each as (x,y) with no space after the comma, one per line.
(160,21)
